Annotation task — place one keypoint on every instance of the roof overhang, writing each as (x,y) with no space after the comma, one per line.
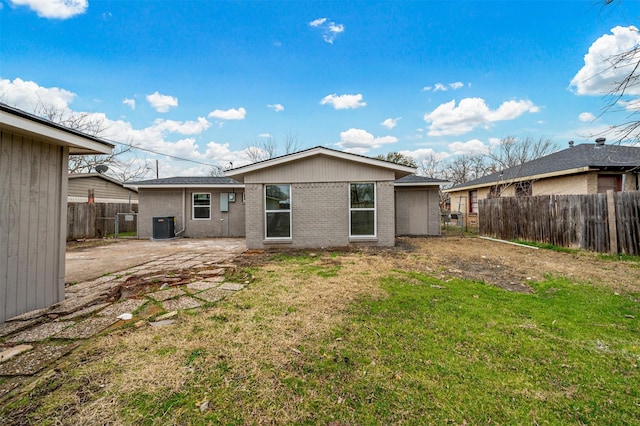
(20,122)
(436,184)
(240,172)
(191,185)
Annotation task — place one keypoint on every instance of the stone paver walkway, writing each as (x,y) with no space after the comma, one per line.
(32,342)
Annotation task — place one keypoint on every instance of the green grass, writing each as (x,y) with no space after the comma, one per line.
(478,354)
(466,353)
(547,246)
(308,264)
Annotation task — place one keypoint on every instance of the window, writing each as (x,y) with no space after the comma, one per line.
(524,189)
(201,206)
(609,182)
(473,201)
(362,210)
(277,202)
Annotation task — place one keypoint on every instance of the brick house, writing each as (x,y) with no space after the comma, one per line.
(580,169)
(314,198)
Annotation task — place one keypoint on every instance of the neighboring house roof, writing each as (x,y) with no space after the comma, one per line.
(21,122)
(413,180)
(100,176)
(578,159)
(187,182)
(240,172)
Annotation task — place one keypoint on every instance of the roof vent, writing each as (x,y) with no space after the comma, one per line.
(571,144)
(600,141)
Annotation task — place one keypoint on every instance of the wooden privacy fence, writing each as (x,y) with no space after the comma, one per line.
(608,223)
(96,220)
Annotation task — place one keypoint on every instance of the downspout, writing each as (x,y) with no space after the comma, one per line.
(184,212)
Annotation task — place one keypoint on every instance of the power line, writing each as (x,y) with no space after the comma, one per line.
(160,153)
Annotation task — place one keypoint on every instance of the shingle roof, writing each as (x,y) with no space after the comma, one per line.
(419,180)
(188,180)
(583,156)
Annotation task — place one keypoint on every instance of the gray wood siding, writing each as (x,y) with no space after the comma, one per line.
(79,187)
(320,169)
(33,178)
(417,212)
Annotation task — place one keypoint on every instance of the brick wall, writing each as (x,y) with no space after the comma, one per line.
(320,216)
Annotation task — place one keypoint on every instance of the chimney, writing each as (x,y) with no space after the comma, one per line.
(600,141)
(570,144)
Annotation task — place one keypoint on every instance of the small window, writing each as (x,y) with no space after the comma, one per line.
(524,189)
(362,210)
(473,201)
(201,206)
(277,202)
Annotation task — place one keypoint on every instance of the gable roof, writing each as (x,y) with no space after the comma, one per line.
(187,182)
(30,125)
(579,159)
(240,172)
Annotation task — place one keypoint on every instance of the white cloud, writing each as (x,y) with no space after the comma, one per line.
(229,114)
(473,146)
(390,123)
(317,22)
(55,9)
(597,76)
(130,102)
(343,101)
(439,87)
(264,135)
(182,127)
(330,30)
(276,107)
(449,119)
(28,95)
(359,141)
(586,117)
(162,103)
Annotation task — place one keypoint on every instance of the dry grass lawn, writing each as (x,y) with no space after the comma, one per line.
(243,360)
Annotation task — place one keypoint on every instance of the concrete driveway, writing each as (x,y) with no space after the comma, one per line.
(88,262)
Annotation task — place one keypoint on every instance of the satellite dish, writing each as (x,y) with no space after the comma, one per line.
(101,168)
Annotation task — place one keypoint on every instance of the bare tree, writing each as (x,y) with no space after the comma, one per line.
(216,171)
(513,152)
(432,166)
(266,148)
(467,167)
(119,168)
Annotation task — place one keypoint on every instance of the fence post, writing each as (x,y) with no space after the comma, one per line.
(611,217)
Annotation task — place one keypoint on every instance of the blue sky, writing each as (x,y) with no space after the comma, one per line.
(204,80)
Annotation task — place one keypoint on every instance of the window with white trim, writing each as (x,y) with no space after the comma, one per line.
(201,206)
(277,210)
(362,210)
